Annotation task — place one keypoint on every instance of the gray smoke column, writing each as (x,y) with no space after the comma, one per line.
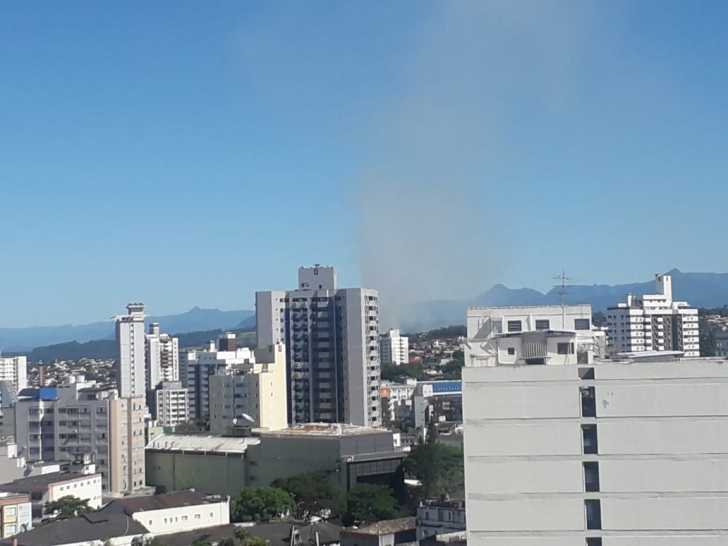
(429,227)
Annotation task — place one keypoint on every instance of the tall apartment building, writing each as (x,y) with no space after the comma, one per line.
(654,322)
(251,394)
(162,357)
(130,367)
(196,368)
(169,404)
(631,452)
(59,423)
(394,348)
(14,369)
(331,336)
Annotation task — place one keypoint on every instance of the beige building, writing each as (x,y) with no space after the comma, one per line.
(252,394)
(15,514)
(59,423)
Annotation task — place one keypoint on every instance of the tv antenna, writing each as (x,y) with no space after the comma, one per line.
(562,286)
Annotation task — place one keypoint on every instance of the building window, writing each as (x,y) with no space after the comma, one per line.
(543,325)
(597,541)
(593,510)
(588,402)
(565,348)
(582,324)
(10,511)
(591,476)
(589,439)
(511,350)
(515,326)
(586,373)
(197,516)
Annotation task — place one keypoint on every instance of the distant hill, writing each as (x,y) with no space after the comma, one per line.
(107,348)
(196,319)
(698,289)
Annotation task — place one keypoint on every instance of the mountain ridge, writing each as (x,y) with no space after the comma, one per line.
(196,319)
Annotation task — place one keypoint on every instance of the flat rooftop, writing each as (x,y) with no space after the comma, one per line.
(42,481)
(202,443)
(323,429)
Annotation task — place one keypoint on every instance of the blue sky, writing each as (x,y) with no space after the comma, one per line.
(190,153)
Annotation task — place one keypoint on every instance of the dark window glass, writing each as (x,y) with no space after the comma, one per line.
(542,325)
(589,439)
(593,511)
(582,324)
(588,402)
(515,326)
(591,476)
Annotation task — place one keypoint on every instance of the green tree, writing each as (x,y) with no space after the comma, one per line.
(68,507)
(204,540)
(438,467)
(261,504)
(241,533)
(369,503)
(227,541)
(315,494)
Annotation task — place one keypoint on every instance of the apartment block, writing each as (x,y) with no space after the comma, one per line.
(14,370)
(170,404)
(331,336)
(60,423)
(162,357)
(131,364)
(654,322)
(197,367)
(397,400)
(394,348)
(251,395)
(626,452)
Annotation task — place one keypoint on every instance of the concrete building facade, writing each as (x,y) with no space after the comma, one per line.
(15,514)
(131,364)
(394,348)
(332,347)
(251,395)
(77,418)
(162,357)
(551,334)
(398,400)
(609,453)
(438,401)
(14,370)
(654,322)
(46,488)
(197,367)
(170,404)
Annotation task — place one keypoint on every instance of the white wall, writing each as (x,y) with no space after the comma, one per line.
(184,518)
(86,488)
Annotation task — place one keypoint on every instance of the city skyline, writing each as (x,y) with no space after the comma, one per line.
(420,137)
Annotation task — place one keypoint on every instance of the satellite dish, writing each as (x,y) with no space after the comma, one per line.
(247,417)
(235,421)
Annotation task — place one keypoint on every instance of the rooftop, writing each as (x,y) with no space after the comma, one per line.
(202,443)
(176,499)
(322,429)
(276,533)
(83,529)
(42,481)
(388,527)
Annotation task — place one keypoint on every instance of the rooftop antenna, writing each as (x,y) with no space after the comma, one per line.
(562,292)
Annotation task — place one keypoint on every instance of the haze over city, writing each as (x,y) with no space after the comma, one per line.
(187,155)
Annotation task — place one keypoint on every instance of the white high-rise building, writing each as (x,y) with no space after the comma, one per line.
(593,453)
(162,357)
(130,367)
(654,322)
(15,370)
(394,348)
(331,336)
